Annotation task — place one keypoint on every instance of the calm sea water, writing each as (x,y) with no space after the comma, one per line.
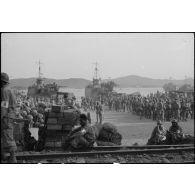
(144,91)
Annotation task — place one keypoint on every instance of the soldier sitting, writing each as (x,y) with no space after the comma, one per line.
(158,135)
(175,133)
(82,137)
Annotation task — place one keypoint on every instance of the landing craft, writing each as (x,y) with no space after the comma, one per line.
(98,89)
(94,90)
(41,89)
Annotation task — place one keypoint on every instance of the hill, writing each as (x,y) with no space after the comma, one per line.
(137,81)
(122,82)
(71,83)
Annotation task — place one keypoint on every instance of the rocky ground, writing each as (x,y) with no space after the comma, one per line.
(182,157)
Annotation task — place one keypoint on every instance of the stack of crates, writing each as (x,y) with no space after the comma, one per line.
(19,135)
(59,123)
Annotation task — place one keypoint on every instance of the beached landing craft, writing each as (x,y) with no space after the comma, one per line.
(39,89)
(94,90)
(98,89)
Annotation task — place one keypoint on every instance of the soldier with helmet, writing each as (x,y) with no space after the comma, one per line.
(175,133)
(158,135)
(99,111)
(8,103)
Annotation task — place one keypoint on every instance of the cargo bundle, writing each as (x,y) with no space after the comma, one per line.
(59,122)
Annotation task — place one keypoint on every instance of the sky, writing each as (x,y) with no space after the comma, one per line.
(72,55)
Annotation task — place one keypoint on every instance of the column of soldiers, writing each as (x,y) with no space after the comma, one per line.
(157,106)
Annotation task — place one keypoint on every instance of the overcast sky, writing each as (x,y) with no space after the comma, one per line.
(72,55)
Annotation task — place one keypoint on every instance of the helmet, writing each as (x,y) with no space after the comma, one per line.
(24,113)
(4,77)
(174,121)
(159,122)
(35,112)
(40,116)
(30,117)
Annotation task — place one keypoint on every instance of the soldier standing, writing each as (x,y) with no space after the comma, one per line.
(8,103)
(160,108)
(176,110)
(98,109)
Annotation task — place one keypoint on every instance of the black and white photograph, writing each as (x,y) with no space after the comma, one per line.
(97,98)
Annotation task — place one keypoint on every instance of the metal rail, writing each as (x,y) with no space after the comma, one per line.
(141,147)
(105,148)
(61,155)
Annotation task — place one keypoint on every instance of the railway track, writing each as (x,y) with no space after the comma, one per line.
(109,150)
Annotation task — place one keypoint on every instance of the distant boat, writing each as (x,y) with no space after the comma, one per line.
(41,89)
(94,90)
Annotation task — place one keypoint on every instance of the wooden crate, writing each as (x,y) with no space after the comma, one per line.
(55,115)
(52,121)
(63,121)
(67,127)
(54,127)
(51,133)
(55,142)
(57,108)
(18,132)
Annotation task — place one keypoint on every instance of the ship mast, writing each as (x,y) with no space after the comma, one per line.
(96,80)
(39,63)
(96,70)
(39,79)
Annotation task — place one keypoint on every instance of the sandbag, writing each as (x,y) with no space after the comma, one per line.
(108,133)
(96,129)
(109,127)
(188,139)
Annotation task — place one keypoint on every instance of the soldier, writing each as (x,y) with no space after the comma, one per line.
(188,110)
(175,133)
(158,135)
(176,109)
(81,137)
(183,110)
(98,109)
(160,108)
(168,110)
(192,109)
(8,103)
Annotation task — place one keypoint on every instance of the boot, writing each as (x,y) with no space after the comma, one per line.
(12,158)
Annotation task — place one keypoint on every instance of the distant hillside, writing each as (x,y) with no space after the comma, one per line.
(137,81)
(72,82)
(123,82)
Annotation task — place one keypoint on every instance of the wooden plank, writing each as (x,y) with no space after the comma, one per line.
(63,121)
(52,121)
(57,108)
(54,127)
(55,115)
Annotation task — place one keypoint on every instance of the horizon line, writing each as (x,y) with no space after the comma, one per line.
(107,78)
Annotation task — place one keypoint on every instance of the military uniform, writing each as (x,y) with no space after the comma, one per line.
(158,135)
(8,103)
(175,133)
(99,113)
(81,137)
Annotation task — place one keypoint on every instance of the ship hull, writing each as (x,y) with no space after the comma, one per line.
(34,92)
(91,92)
